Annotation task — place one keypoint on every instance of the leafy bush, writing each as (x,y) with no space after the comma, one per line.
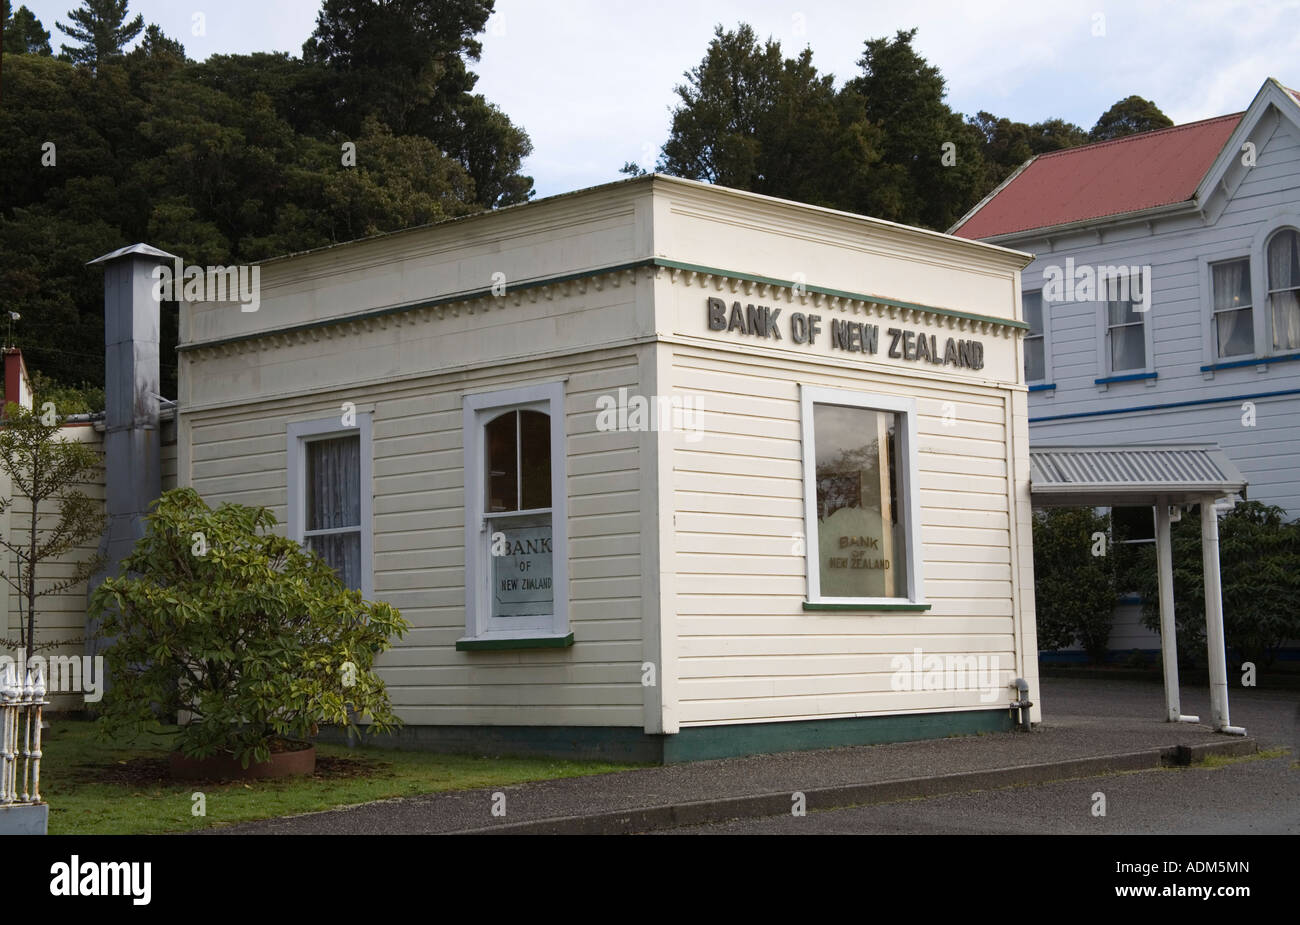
(1074,590)
(1259,567)
(253,638)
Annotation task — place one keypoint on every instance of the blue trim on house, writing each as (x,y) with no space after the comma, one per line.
(1127,377)
(1234,364)
(1043,387)
(1172,404)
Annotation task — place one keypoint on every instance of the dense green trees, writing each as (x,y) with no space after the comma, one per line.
(24,34)
(1259,567)
(884,144)
(234,159)
(1128,117)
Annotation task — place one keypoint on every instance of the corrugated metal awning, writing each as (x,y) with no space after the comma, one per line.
(1131,475)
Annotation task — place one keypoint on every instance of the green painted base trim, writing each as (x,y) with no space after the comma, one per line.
(579,743)
(866,608)
(700,743)
(695,743)
(536,642)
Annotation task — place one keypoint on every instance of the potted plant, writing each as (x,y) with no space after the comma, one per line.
(249,641)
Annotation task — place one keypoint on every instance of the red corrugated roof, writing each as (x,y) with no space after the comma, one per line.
(1109,178)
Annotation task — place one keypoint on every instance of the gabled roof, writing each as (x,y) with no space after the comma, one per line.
(1135,475)
(1128,176)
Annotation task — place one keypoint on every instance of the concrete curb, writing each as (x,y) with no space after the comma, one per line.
(703,812)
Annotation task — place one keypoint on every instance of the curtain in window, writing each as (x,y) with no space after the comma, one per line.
(1233,317)
(333,502)
(1284,274)
(341,552)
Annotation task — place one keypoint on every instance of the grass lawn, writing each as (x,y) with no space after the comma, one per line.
(95,788)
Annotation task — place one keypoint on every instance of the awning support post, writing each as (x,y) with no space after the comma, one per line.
(1214,643)
(1168,630)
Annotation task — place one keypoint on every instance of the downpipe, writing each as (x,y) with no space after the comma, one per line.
(1022,703)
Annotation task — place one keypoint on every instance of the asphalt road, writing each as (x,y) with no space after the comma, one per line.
(1256,796)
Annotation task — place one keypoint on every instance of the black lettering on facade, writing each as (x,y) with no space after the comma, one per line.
(717,315)
(771,315)
(798,328)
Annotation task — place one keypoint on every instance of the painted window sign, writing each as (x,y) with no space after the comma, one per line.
(518,511)
(522,571)
(861,548)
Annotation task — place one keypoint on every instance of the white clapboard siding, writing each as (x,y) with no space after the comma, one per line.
(419,555)
(748,651)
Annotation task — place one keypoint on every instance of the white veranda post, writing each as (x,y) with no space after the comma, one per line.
(1214,619)
(1168,632)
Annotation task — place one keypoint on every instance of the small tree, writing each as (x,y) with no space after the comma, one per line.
(45,469)
(252,637)
(1074,579)
(102,29)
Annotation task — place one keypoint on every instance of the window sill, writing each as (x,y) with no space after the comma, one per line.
(1126,377)
(909,607)
(1250,361)
(489,643)
(1043,387)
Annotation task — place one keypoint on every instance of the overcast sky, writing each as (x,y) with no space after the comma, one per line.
(592,80)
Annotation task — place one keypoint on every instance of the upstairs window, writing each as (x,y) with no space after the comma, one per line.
(1035,340)
(1126,343)
(1234,316)
(1284,289)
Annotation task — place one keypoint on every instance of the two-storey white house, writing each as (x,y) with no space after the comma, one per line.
(1164,297)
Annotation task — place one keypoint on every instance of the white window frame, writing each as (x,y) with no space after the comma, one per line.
(477,410)
(1215,355)
(299,434)
(1104,326)
(1209,336)
(1276,230)
(1280,221)
(1045,337)
(909,492)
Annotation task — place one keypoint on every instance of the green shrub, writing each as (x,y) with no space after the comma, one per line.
(1259,567)
(256,640)
(1074,590)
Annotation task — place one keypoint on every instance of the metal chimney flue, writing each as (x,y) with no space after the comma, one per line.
(132,470)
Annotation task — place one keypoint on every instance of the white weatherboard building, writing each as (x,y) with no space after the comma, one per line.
(656,470)
(1202,221)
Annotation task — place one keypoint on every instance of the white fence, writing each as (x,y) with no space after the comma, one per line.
(20,749)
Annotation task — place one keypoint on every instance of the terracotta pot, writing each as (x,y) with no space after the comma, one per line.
(223,767)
